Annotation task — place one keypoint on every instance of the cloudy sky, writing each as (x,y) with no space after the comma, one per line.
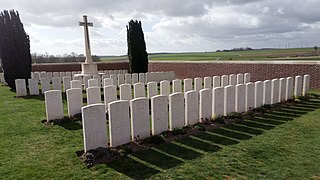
(169,25)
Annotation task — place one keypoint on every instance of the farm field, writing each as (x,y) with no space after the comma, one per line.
(283,144)
(250,55)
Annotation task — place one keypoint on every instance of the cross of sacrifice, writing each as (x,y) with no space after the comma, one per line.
(85,24)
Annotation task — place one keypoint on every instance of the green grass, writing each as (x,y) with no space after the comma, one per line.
(257,55)
(284,144)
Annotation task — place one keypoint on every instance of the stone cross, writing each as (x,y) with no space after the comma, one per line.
(85,24)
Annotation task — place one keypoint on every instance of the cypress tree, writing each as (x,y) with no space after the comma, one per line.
(137,54)
(14,48)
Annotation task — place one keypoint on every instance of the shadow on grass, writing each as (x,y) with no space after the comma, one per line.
(41,97)
(72,126)
(146,163)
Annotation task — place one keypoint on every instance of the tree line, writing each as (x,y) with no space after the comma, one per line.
(16,59)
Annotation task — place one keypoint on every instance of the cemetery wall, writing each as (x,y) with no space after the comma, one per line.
(259,71)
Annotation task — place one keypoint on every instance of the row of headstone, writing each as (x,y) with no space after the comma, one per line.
(55,83)
(184,108)
(130,120)
(125,90)
(43,74)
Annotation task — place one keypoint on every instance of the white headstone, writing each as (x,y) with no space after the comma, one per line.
(128,79)
(93,83)
(36,75)
(216,81)
(298,86)
(74,101)
(258,94)
(69,74)
(21,89)
(240,98)
(120,79)
(141,78)
(247,77)
(207,83)
(250,89)
(110,94)
(139,90)
(73,73)
(191,107)
(66,83)
(98,78)
(75,84)
(176,111)
(94,127)
(197,84)
(306,84)
(114,79)
(218,101)
(205,110)
(159,114)
(93,95)
(85,81)
(165,87)
(140,118)
(119,123)
(55,74)
(267,92)
(125,92)
(62,74)
(152,89)
(282,89)
(224,80)
(2,80)
(56,83)
(176,86)
(289,88)
(135,78)
(48,74)
(33,86)
(232,79)
(78,78)
(108,82)
(240,79)
(275,91)
(54,106)
(187,85)
(43,75)
(229,99)
(45,85)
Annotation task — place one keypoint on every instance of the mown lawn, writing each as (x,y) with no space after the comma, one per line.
(292,54)
(284,144)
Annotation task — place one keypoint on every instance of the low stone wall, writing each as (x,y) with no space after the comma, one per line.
(259,70)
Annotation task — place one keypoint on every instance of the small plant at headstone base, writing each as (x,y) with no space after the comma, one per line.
(156,139)
(179,131)
(219,119)
(137,54)
(14,48)
(199,127)
(234,115)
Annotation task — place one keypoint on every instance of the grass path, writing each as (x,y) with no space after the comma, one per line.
(284,144)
